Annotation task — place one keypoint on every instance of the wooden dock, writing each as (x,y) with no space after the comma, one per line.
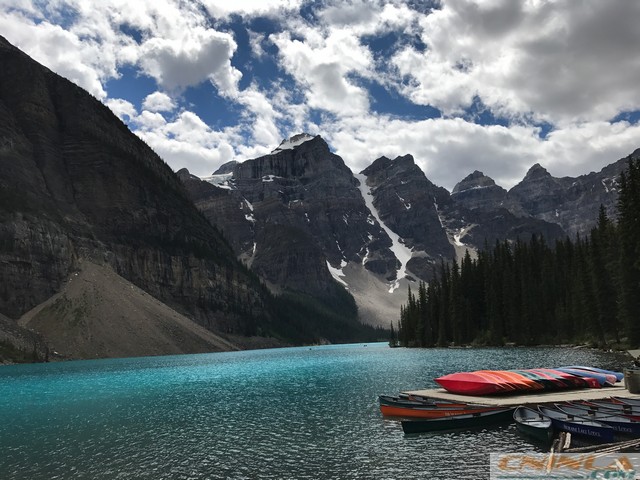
(533,398)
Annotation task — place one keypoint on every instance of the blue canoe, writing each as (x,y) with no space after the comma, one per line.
(619,375)
(580,426)
(600,377)
(621,424)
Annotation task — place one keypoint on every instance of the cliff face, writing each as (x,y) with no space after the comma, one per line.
(294,214)
(407,202)
(572,203)
(76,183)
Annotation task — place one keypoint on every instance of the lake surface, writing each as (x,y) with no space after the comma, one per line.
(294,413)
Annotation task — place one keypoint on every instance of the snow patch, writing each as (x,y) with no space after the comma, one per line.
(293,142)
(306,215)
(337,273)
(249,206)
(435,205)
(407,205)
(269,178)
(402,253)
(223,180)
(475,187)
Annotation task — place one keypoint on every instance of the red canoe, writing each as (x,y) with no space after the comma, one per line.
(438,412)
(473,383)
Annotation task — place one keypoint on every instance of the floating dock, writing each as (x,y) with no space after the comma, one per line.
(532,398)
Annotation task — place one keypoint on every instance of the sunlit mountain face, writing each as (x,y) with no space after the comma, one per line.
(461,85)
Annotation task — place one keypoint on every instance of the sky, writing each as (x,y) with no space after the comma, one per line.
(462,85)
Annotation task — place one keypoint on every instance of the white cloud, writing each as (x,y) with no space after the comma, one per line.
(123,109)
(177,46)
(560,62)
(60,50)
(200,54)
(322,65)
(158,102)
(188,141)
(248,8)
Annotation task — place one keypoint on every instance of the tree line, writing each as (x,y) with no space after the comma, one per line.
(584,290)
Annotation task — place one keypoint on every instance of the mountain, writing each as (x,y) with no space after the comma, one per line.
(572,203)
(303,222)
(79,192)
(297,217)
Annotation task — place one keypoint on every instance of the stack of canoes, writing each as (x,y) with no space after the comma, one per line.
(601,421)
(494,382)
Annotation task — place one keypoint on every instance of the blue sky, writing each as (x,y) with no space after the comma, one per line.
(463,85)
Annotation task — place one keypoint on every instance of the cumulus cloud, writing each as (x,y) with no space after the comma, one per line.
(158,102)
(123,109)
(61,50)
(559,62)
(322,66)
(570,64)
(176,44)
(201,54)
(265,8)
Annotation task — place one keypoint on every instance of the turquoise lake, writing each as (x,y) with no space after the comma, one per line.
(293,413)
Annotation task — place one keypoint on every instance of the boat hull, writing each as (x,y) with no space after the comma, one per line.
(579,426)
(431,412)
(468,421)
(533,424)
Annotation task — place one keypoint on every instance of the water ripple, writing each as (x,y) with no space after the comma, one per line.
(295,413)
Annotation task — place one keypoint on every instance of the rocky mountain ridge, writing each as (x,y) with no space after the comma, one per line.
(289,212)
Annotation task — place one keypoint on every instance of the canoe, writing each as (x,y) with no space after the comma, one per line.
(621,424)
(472,383)
(431,412)
(519,381)
(619,375)
(633,402)
(466,421)
(604,380)
(619,409)
(408,402)
(579,426)
(533,424)
(547,382)
(401,401)
(574,381)
(494,382)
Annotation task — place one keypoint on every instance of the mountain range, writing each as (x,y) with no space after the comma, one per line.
(105,251)
(300,218)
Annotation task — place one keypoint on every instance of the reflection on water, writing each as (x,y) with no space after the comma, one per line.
(287,413)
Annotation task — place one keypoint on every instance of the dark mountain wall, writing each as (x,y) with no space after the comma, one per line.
(288,213)
(76,183)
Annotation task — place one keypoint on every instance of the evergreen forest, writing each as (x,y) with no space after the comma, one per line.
(582,290)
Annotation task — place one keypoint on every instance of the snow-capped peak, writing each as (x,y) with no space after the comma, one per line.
(293,142)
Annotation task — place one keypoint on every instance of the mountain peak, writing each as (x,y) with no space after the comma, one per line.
(401,163)
(536,172)
(293,142)
(477,179)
